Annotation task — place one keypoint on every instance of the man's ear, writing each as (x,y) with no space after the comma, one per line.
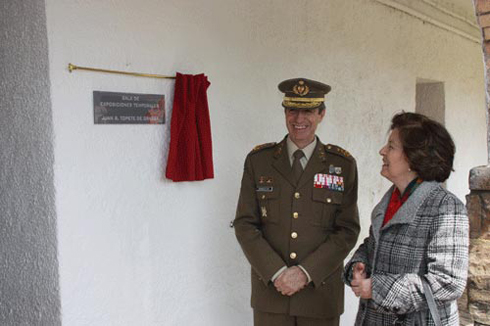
(323,113)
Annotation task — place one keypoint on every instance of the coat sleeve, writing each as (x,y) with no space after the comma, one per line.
(264,260)
(447,267)
(330,255)
(360,256)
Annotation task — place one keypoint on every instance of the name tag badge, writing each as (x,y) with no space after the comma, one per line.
(328,181)
(264,189)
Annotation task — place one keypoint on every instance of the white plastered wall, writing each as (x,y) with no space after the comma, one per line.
(136,249)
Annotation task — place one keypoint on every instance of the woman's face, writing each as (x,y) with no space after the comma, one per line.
(395,164)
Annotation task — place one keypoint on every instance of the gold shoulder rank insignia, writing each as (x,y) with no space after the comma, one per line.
(263,146)
(339,150)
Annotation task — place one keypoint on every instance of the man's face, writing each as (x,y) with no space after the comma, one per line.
(302,125)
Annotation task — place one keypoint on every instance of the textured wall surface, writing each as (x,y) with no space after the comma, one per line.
(477,295)
(29,291)
(136,249)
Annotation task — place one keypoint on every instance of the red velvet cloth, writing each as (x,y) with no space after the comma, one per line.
(190,156)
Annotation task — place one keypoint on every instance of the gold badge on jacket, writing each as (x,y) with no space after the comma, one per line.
(263,211)
(265,180)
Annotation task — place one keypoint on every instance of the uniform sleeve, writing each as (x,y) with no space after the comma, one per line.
(264,260)
(447,255)
(330,255)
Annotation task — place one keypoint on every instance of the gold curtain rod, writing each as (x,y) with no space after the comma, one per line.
(72,67)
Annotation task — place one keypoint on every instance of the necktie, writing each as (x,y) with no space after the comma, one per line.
(297,167)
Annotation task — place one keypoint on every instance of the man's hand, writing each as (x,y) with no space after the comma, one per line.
(290,281)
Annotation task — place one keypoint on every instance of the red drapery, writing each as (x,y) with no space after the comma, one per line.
(190,155)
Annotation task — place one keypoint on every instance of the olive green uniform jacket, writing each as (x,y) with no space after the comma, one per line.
(325,224)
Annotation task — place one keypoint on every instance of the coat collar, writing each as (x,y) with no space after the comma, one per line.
(407,211)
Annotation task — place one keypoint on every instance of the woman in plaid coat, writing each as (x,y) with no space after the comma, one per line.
(418,233)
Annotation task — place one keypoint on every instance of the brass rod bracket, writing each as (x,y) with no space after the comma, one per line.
(72,67)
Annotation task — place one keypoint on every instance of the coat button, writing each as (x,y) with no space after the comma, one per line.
(295,215)
(329,200)
(294,235)
(292,255)
(297,195)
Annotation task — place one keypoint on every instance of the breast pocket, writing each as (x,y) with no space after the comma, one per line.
(269,207)
(325,205)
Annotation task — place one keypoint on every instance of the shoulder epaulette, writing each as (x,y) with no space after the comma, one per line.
(261,147)
(338,150)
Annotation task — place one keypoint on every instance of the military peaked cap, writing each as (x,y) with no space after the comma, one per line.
(302,93)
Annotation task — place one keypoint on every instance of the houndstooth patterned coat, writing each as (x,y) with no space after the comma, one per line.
(427,237)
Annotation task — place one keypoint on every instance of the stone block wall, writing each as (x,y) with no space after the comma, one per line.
(475,304)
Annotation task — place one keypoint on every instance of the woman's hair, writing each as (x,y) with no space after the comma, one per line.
(427,145)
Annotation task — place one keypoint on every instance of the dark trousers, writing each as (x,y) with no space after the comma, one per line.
(270,319)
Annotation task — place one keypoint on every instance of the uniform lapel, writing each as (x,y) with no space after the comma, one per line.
(282,164)
(316,164)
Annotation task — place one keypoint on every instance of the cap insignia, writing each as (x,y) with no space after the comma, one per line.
(301,89)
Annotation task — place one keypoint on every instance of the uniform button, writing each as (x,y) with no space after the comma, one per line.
(329,200)
(263,196)
(329,147)
(292,255)
(297,195)
(295,215)
(294,235)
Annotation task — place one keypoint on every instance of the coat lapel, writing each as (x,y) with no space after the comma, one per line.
(408,210)
(378,214)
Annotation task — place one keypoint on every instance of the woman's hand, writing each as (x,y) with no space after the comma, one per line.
(359,271)
(362,288)
(361,285)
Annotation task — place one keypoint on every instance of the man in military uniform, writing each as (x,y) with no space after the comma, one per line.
(297,217)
